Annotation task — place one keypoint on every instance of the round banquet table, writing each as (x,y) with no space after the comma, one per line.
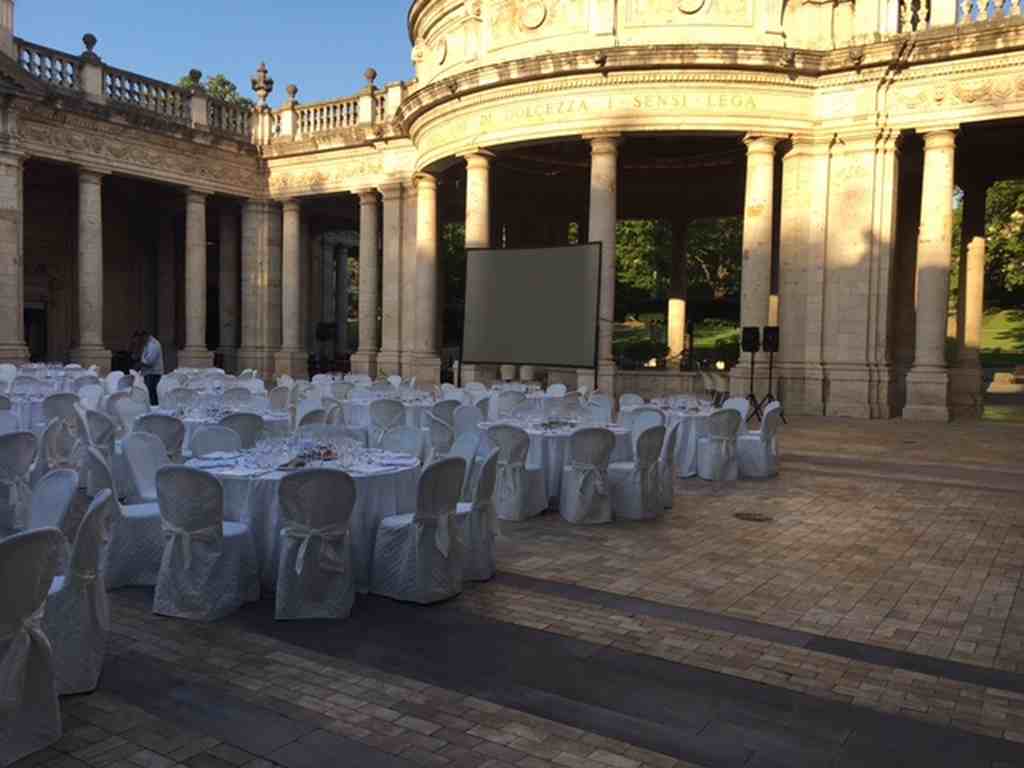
(692,426)
(275,423)
(549,449)
(357,412)
(250,497)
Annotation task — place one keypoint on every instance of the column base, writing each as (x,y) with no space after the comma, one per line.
(606,372)
(408,364)
(14,353)
(485,374)
(228,357)
(195,357)
(849,391)
(427,370)
(389,362)
(966,392)
(90,356)
(365,362)
(260,360)
(799,388)
(927,394)
(291,362)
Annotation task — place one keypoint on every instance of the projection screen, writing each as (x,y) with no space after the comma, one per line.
(532,306)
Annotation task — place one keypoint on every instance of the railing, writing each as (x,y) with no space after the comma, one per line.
(163,99)
(971,11)
(228,118)
(914,14)
(325,117)
(54,68)
(380,106)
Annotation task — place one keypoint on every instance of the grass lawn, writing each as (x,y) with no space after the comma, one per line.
(1002,339)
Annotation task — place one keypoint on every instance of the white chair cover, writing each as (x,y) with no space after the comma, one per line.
(395,381)
(29,709)
(112,381)
(145,453)
(645,417)
(478,524)
(484,406)
(742,406)
(341,390)
(279,398)
(465,447)
(441,436)
(507,402)
(315,416)
(384,415)
(634,486)
(716,450)
(419,557)
(61,406)
(667,467)
(758,452)
(249,427)
(8,372)
(557,390)
(127,410)
(314,573)
(466,418)
(585,495)
(8,422)
(102,432)
(405,440)
(17,453)
(77,617)
(521,490)
(237,396)
(209,439)
(5,401)
(600,408)
(630,400)
(209,567)
(52,498)
(90,396)
(170,430)
(58,448)
(133,557)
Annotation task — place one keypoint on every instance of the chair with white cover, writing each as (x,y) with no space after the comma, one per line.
(341,390)
(127,410)
(395,381)
(359,379)
(445,410)
(634,485)
(133,557)
(478,524)
(237,396)
(77,619)
(52,499)
(145,453)
(384,415)
(522,490)
(90,396)
(9,422)
(758,451)
(466,418)
(418,557)
(170,431)
(249,427)
(644,417)
(315,416)
(314,572)
(26,385)
(465,447)
(209,567)
(405,440)
(5,402)
(507,402)
(557,390)
(484,406)
(585,498)
(17,454)
(57,448)
(667,467)
(716,450)
(60,406)
(209,439)
(112,380)
(8,372)
(279,398)
(630,400)
(102,432)
(599,408)
(742,406)
(476,390)
(87,380)
(30,714)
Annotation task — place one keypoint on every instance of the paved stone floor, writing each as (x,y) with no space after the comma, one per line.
(877,619)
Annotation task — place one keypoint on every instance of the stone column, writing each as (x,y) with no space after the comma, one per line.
(604,165)
(677,291)
(409,215)
(928,380)
(291,358)
(428,363)
(90,350)
(12,275)
(166,299)
(365,360)
(966,386)
(478,235)
(195,354)
(229,277)
(340,301)
(258,274)
(392,309)
(756,277)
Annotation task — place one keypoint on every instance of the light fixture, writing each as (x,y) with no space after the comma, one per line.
(720,365)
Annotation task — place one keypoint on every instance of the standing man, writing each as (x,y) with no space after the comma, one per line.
(152,364)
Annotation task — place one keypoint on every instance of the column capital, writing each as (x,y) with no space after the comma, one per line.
(762,143)
(478,158)
(426,181)
(90,175)
(603,143)
(292,204)
(195,196)
(940,138)
(367,196)
(391,191)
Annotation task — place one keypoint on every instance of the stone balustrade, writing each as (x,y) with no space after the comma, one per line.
(56,69)
(974,11)
(327,116)
(368,109)
(168,101)
(229,118)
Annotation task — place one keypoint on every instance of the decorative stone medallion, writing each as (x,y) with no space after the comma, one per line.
(690,7)
(533,14)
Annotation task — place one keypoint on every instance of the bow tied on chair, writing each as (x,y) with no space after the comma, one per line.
(209,535)
(14,666)
(587,471)
(509,478)
(332,557)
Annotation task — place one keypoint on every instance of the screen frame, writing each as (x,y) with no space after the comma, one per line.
(597,314)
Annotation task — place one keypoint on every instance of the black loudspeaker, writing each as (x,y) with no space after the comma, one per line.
(771,338)
(751,339)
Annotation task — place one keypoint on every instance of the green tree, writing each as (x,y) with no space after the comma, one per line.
(1004,252)
(643,256)
(218,87)
(714,256)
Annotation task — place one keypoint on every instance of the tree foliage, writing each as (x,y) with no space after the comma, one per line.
(1004,230)
(218,87)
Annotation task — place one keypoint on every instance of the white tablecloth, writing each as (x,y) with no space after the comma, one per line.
(275,424)
(693,425)
(253,501)
(357,413)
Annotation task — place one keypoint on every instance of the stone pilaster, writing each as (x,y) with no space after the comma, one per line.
(261,276)
(928,380)
(604,171)
(365,360)
(428,363)
(90,350)
(291,358)
(391,301)
(966,388)
(195,354)
(12,266)
(228,289)
(478,235)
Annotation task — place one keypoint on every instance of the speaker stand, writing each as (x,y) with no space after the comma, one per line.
(769,398)
(755,406)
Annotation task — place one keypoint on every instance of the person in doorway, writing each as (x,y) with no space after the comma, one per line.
(151,364)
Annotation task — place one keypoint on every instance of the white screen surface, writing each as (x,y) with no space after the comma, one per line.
(532,306)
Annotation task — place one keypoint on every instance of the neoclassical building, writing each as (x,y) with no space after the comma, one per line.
(839,131)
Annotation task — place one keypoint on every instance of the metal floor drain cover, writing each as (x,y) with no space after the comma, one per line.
(753,517)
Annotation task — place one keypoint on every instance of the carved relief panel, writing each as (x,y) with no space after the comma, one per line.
(517,21)
(662,13)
